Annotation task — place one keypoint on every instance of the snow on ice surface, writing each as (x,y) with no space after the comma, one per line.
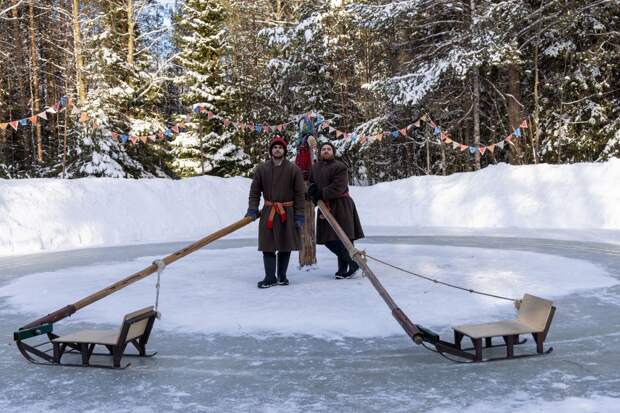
(216,291)
(51,214)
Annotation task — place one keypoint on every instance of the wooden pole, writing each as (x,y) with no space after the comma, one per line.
(117,286)
(358,256)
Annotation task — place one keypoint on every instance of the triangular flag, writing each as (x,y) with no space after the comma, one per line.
(196,109)
(338,133)
(443,136)
(266,129)
(175,129)
(42,115)
(152,137)
(508,138)
(425,118)
(75,110)
(226,122)
(417,123)
(143,139)
(23,122)
(491,148)
(133,139)
(403,131)
(523,124)
(50,110)
(236,124)
(395,134)
(258,127)
(332,129)
(95,125)
(124,138)
(472,149)
(33,119)
(455,145)
(210,115)
(161,136)
(463,147)
(70,102)
(482,149)
(363,139)
(14,124)
(57,105)
(3,125)
(517,132)
(448,140)
(115,136)
(500,144)
(63,101)
(83,117)
(203,109)
(436,131)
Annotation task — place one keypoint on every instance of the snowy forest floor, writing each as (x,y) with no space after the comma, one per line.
(321,344)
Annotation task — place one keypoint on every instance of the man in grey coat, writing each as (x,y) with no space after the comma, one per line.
(282,186)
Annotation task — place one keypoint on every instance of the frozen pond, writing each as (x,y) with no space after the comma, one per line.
(321,345)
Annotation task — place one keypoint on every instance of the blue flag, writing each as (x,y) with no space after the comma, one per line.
(472,149)
(63,101)
(258,127)
(437,131)
(23,122)
(517,132)
(124,138)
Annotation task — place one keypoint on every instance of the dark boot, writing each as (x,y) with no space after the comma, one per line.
(269,261)
(353,266)
(283,258)
(337,248)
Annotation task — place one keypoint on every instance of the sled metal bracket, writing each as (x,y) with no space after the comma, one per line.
(26,333)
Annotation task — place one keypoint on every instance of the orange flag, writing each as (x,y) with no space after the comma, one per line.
(463,147)
(33,119)
(143,139)
(83,117)
(491,148)
(3,125)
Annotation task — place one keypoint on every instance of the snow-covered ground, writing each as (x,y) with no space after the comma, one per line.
(219,298)
(556,201)
(320,344)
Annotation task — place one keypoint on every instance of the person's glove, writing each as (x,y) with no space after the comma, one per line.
(252,213)
(313,189)
(299,221)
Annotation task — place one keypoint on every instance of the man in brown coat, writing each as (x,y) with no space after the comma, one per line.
(282,185)
(329,181)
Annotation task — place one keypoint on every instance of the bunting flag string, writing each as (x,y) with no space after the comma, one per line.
(260,128)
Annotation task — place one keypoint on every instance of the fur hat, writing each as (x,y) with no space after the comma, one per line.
(277,140)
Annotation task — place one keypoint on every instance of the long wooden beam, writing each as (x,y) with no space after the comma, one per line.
(404,321)
(117,286)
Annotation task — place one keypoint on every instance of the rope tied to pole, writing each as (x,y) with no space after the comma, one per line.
(458,287)
(161,266)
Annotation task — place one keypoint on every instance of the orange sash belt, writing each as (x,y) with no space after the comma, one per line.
(279,208)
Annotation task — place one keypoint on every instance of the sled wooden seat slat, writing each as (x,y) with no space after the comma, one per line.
(135,329)
(534,317)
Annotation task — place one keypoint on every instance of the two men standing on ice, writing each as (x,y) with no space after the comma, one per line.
(282,186)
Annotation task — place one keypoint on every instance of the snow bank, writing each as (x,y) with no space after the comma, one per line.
(51,214)
(220,298)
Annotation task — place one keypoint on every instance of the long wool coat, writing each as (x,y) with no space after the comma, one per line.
(332,179)
(282,183)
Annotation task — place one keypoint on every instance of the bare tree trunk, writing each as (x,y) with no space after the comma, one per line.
(35,78)
(514,112)
(443,158)
(536,125)
(428,156)
(77,51)
(476,98)
(130,32)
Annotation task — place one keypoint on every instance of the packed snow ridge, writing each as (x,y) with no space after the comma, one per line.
(51,214)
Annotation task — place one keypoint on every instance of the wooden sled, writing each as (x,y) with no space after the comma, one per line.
(135,329)
(534,317)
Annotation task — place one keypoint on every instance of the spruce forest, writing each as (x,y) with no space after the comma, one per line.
(140,88)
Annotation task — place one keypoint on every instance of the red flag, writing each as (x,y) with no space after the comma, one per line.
(175,129)
(133,139)
(403,131)
(523,124)
(70,103)
(14,124)
(210,115)
(266,129)
(482,149)
(161,136)
(115,136)
(95,125)
(508,138)
(226,122)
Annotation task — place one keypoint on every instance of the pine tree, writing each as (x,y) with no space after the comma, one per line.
(206,147)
